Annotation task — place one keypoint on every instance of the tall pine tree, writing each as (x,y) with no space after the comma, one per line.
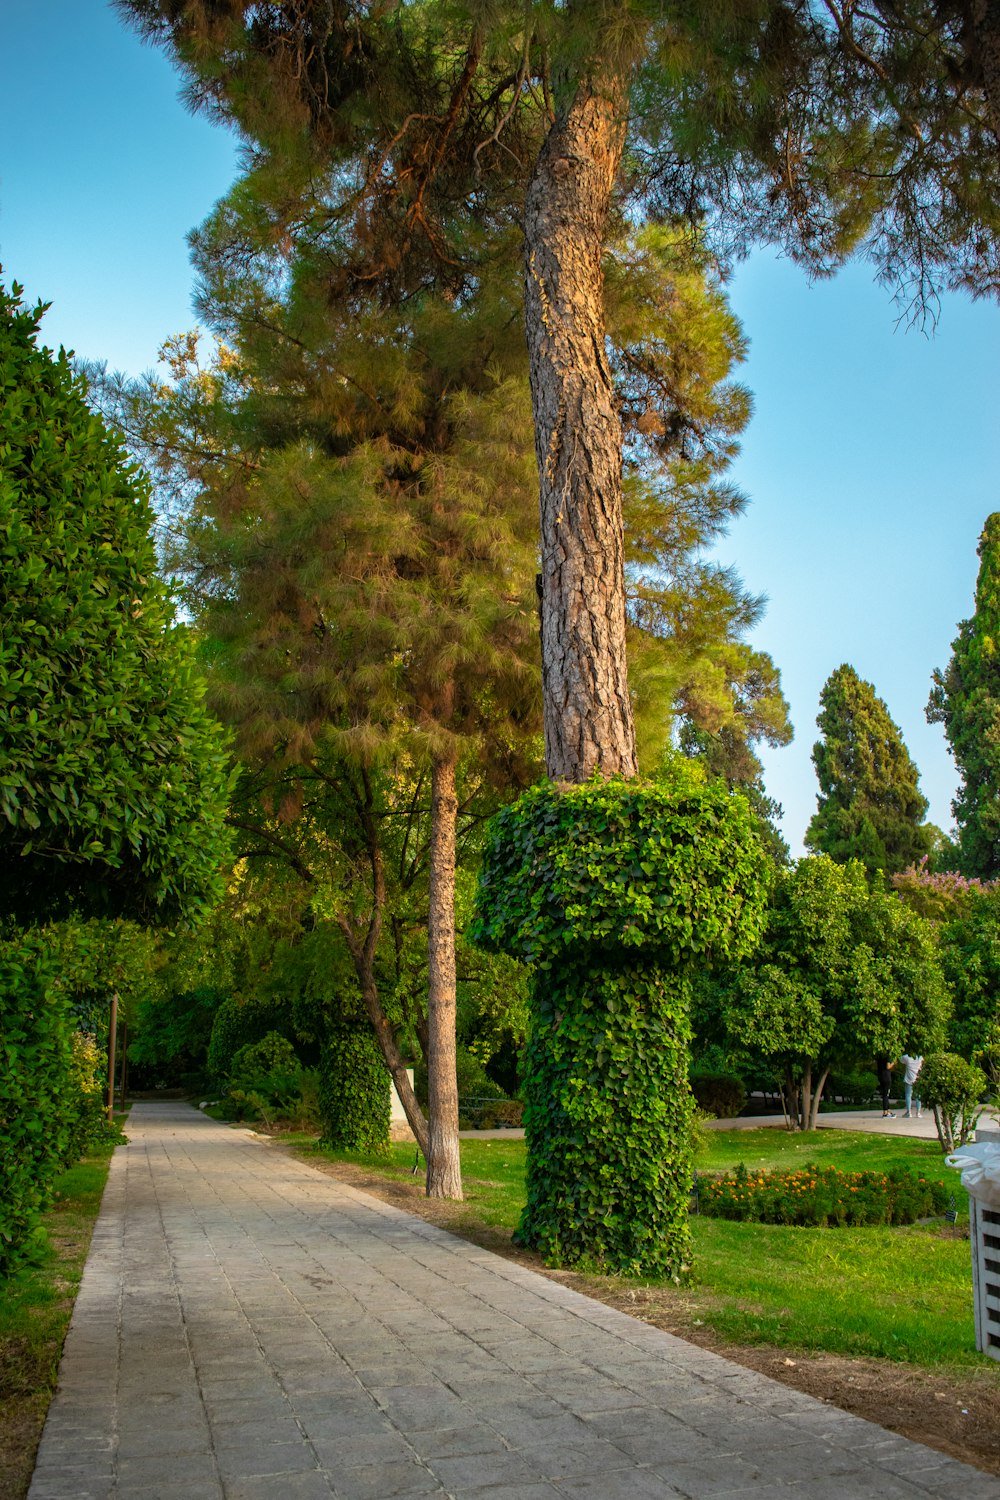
(870,807)
(965,698)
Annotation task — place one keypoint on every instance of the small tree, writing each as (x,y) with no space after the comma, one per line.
(843,972)
(954,1089)
(965,699)
(870,806)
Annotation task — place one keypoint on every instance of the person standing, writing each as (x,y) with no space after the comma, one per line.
(883,1071)
(911,1072)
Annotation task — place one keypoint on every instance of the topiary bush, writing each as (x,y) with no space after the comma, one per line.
(954,1089)
(613,891)
(38,1101)
(720,1094)
(354,1091)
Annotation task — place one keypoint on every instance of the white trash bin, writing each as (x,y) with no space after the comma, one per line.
(980,1167)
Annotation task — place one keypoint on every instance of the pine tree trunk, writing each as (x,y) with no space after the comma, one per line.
(578,440)
(444,1176)
(985,15)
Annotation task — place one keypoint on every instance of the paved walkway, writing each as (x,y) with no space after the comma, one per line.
(250,1329)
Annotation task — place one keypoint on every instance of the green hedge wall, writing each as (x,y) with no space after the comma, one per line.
(39,1103)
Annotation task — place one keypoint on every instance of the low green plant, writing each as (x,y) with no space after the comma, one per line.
(824,1197)
(954,1089)
(265,1079)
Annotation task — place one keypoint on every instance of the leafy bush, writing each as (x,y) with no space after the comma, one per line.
(265,1079)
(86,1097)
(822,1197)
(613,891)
(38,1106)
(954,1089)
(720,1094)
(238,1023)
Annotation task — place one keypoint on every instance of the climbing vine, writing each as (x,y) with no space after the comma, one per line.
(613,891)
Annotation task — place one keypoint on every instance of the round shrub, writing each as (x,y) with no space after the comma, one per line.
(613,891)
(720,1094)
(354,1091)
(238,1023)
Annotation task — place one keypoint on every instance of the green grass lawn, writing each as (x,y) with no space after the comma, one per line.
(903,1294)
(35,1309)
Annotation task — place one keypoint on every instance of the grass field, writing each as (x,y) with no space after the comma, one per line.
(35,1308)
(902,1294)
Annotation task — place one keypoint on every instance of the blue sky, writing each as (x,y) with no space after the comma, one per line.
(871,461)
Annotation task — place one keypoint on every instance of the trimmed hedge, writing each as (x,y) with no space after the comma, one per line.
(613,891)
(354,1091)
(39,1105)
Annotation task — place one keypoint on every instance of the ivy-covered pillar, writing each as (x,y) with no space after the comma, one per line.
(354,1095)
(614,892)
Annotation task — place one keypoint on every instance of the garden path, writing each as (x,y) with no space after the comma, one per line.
(251,1329)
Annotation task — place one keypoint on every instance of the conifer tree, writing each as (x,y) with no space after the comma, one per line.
(816,127)
(870,807)
(965,699)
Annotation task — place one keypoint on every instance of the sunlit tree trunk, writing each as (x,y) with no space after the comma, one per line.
(444,1176)
(578,440)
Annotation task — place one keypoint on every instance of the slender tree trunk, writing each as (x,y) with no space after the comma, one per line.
(985,15)
(444,1175)
(578,440)
(816,1097)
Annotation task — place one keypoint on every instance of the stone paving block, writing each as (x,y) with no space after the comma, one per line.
(631,1484)
(305,1486)
(465,1470)
(385,1481)
(175,1468)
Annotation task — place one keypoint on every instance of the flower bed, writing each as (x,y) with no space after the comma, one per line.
(822,1197)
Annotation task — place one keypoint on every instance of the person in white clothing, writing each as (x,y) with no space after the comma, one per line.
(911,1071)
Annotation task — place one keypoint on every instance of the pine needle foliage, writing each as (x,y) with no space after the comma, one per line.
(965,699)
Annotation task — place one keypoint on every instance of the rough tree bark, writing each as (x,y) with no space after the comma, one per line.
(578,440)
(444,1175)
(985,17)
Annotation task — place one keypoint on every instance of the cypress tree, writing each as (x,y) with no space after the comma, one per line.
(965,699)
(870,807)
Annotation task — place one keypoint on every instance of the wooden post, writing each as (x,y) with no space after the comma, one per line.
(124,1069)
(112,1037)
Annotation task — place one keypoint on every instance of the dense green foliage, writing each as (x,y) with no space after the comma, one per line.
(843,972)
(613,891)
(354,1090)
(720,1094)
(823,1196)
(39,1110)
(970,957)
(113,779)
(954,1089)
(965,699)
(870,806)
